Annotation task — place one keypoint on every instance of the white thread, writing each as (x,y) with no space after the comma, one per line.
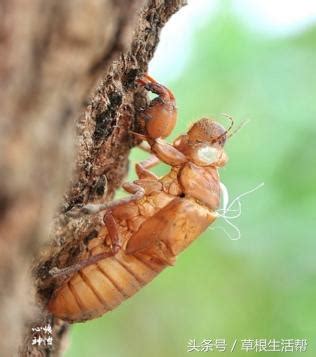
(226,208)
(225,231)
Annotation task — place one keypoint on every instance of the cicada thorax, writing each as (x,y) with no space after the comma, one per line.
(202,184)
(195,196)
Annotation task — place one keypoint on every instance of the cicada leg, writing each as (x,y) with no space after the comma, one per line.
(142,167)
(92,208)
(113,234)
(111,226)
(108,219)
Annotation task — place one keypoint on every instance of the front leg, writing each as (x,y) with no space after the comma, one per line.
(160,117)
(163,152)
(161,114)
(167,153)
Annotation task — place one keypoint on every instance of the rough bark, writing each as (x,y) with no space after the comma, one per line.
(52,54)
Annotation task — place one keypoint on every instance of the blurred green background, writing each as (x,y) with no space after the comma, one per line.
(263,285)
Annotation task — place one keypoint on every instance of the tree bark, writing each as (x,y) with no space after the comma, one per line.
(52,55)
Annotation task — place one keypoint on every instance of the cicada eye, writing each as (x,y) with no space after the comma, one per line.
(220,140)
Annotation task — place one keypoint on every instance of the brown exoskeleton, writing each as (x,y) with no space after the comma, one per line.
(144,232)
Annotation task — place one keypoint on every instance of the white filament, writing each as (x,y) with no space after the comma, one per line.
(227,208)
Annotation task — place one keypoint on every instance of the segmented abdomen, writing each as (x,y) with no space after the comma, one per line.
(101,287)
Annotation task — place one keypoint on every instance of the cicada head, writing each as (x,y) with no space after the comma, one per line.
(204,143)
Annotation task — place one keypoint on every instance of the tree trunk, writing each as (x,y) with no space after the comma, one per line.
(52,55)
